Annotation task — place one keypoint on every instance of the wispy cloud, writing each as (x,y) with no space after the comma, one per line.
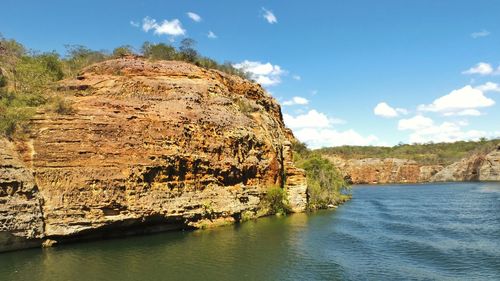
(296,77)
(172,28)
(489,87)
(211,35)
(482,68)
(269,16)
(296,101)
(194,16)
(424,129)
(479,34)
(134,24)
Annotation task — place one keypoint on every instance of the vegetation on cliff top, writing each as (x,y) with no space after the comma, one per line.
(430,153)
(27,77)
(325,184)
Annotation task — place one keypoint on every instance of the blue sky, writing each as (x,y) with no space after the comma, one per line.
(346,72)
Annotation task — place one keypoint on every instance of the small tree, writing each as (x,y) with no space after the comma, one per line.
(158,51)
(123,51)
(188,51)
(79,56)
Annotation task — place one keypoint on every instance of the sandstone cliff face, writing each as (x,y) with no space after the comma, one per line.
(490,169)
(21,221)
(381,171)
(477,167)
(160,144)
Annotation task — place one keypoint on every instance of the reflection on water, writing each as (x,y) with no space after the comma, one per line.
(412,232)
(490,187)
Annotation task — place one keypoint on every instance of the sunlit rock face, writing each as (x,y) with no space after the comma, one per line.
(477,167)
(21,223)
(384,170)
(157,144)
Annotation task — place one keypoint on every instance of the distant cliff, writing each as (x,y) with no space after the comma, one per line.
(480,166)
(146,146)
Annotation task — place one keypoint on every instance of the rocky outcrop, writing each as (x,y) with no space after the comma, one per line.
(381,171)
(478,167)
(151,146)
(21,221)
(490,169)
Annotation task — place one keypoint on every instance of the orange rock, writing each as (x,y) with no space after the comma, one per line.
(156,144)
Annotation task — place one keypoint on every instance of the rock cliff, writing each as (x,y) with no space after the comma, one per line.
(477,167)
(386,170)
(148,146)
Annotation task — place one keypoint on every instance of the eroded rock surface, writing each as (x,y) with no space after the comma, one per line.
(490,170)
(478,167)
(159,144)
(388,170)
(21,222)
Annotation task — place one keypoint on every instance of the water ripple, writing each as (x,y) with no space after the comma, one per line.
(399,232)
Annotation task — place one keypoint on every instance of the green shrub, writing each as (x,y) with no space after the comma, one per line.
(245,106)
(61,106)
(3,80)
(428,153)
(123,51)
(79,56)
(325,184)
(14,119)
(159,51)
(276,200)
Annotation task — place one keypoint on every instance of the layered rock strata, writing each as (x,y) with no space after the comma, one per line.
(150,146)
(381,171)
(477,167)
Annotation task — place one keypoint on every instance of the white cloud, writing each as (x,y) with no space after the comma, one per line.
(296,77)
(385,110)
(425,130)
(316,130)
(402,111)
(489,87)
(194,16)
(296,101)
(134,24)
(415,123)
(466,112)
(481,68)
(478,34)
(211,35)
(265,74)
(269,16)
(312,119)
(459,100)
(172,28)
(317,138)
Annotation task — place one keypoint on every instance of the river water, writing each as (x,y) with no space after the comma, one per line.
(391,232)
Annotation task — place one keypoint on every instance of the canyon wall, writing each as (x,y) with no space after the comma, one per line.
(477,167)
(384,170)
(146,146)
